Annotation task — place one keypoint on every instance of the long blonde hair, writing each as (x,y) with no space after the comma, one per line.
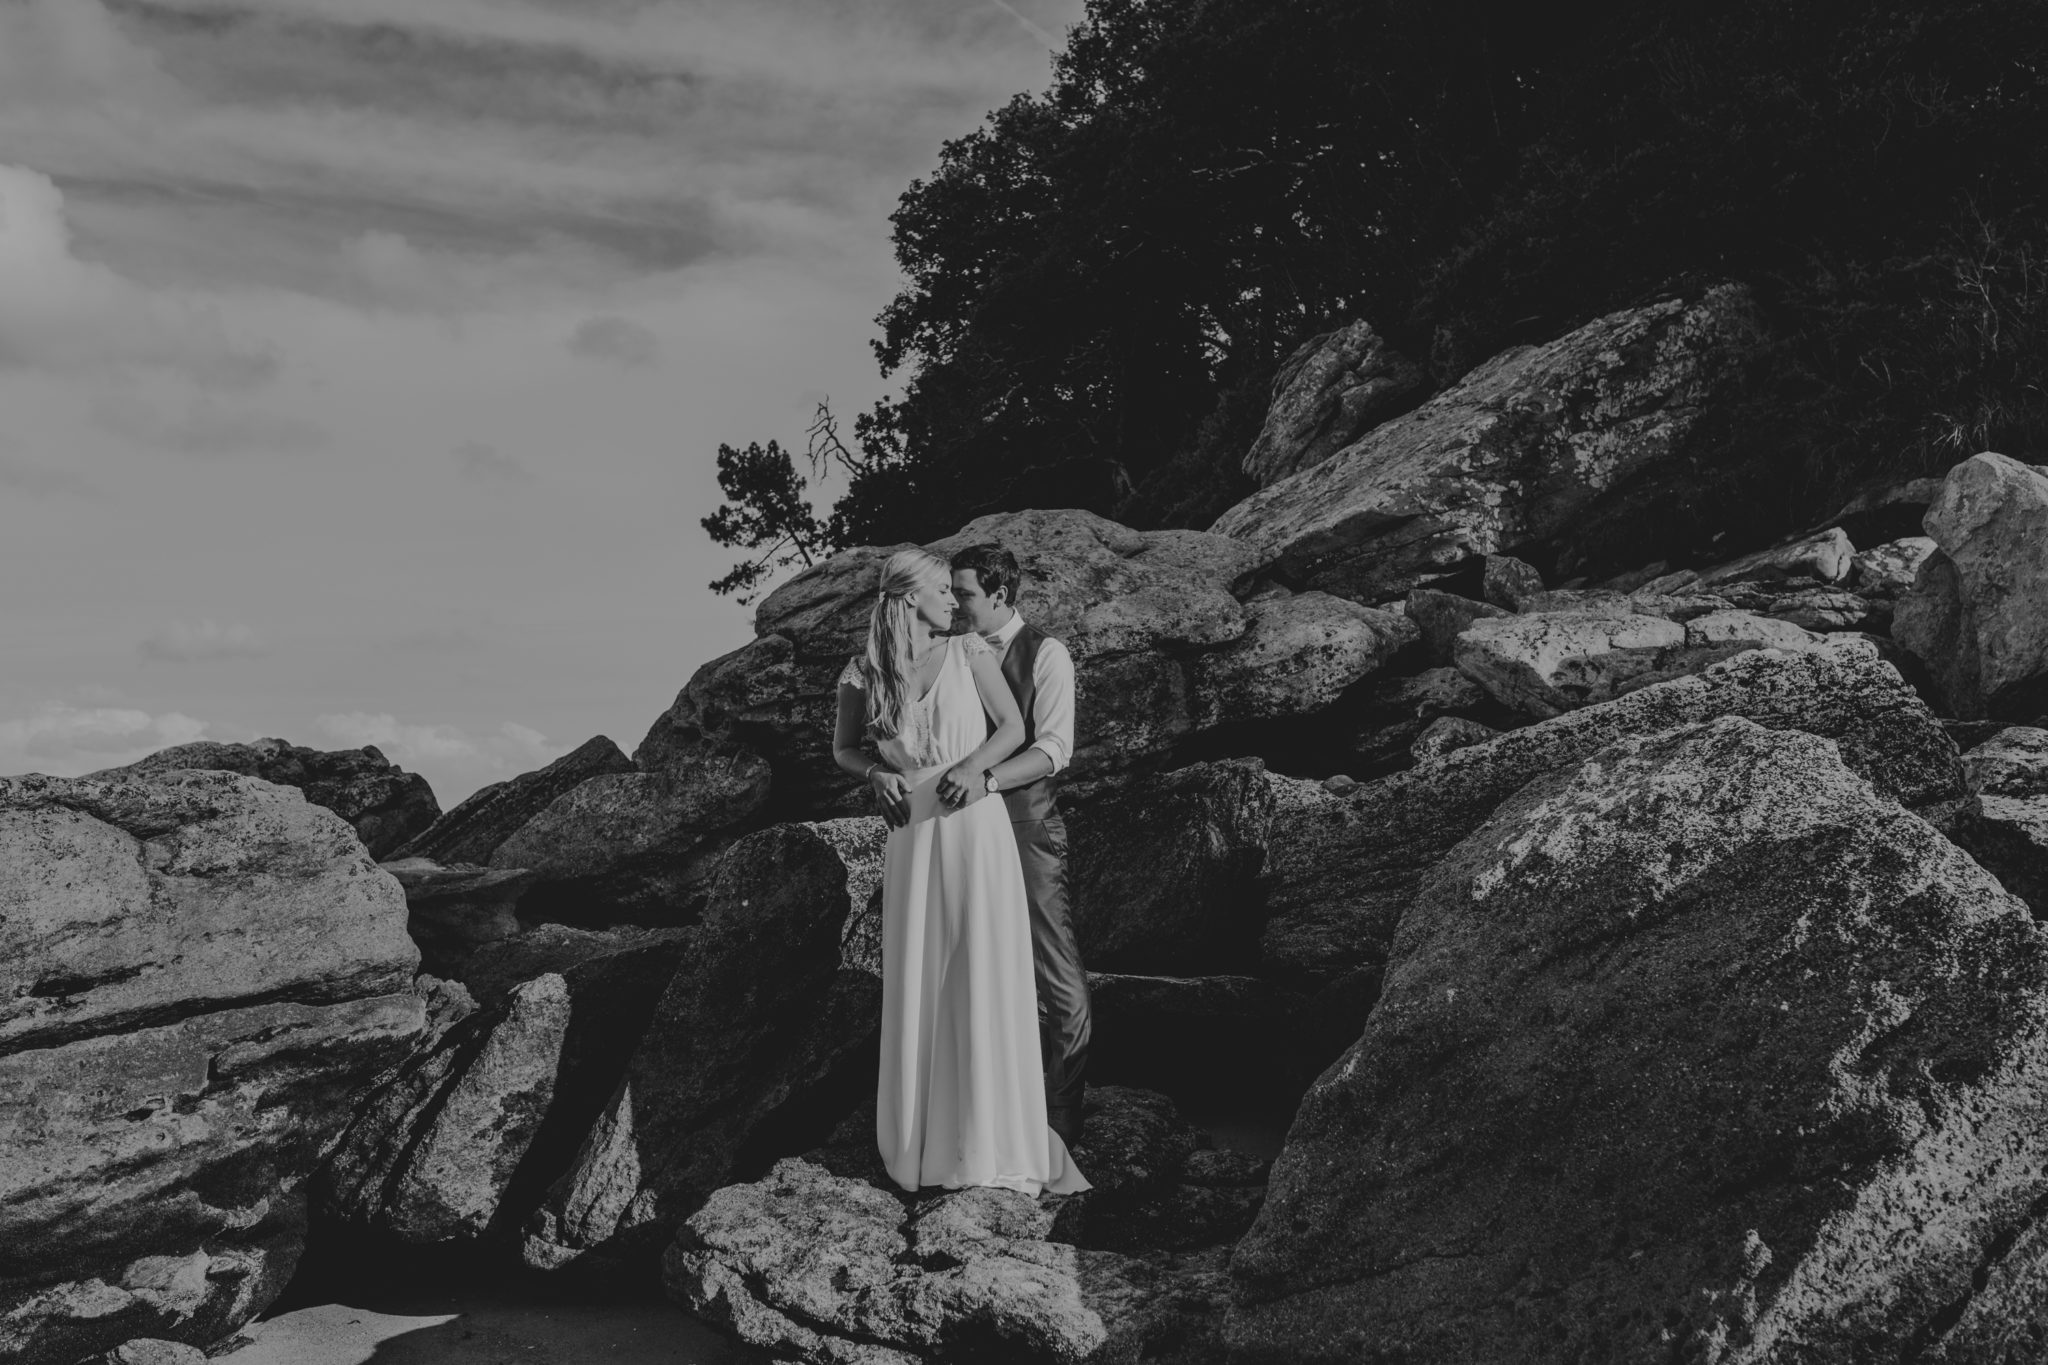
(891,668)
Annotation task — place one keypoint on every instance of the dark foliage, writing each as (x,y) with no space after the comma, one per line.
(1102,279)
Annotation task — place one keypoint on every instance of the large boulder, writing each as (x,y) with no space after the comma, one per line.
(1702,1049)
(1163,869)
(806,1265)
(1332,390)
(1514,458)
(472,831)
(463,1141)
(1977,616)
(636,847)
(382,802)
(1340,870)
(2005,825)
(200,972)
(452,911)
(760,1033)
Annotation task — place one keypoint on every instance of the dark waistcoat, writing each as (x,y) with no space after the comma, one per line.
(1033,800)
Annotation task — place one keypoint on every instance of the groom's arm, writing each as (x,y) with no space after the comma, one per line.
(1052,720)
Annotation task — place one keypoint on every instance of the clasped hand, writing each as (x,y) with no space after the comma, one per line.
(961,787)
(892,794)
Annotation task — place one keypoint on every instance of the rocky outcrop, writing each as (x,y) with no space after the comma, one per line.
(1441,617)
(760,1036)
(1822,558)
(810,1266)
(1516,457)
(464,1140)
(472,831)
(201,971)
(1332,390)
(1298,655)
(382,802)
(1977,615)
(636,847)
(452,911)
(1158,1184)
(1162,875)
(1699,1049)
(1340,870)
(1888,570)
(2005,825)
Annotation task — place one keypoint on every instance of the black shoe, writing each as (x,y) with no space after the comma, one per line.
(1065,1122)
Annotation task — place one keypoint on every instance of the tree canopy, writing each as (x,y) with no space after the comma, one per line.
(1101,280)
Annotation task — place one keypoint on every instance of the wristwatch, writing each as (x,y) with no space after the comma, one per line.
(989,783)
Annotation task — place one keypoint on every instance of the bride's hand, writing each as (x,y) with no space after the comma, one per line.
(961,787)
(892,794)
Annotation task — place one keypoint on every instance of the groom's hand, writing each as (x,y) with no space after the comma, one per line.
(892,795)
(959,788)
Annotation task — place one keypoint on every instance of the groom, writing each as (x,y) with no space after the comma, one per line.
(1041,674)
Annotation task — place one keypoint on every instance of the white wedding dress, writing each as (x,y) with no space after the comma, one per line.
(961,1099)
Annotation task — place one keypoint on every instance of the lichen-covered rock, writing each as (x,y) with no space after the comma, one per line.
(1442,617)
(1505,581)
(1701,1049)
(1977,615)
(1162,869)
(1823,558)
(1332,390)
(493,971)
(1340,870)
(759,1017)
(1886,571)
(1137,1149)
(472,831)
(1550,663)
(2005,825)
(636,847)
(152,1351)
(1298,655)
(2013,762)
(199,971)
(1516,456)
(1827,609)
(1446,733)
(464,1139)
(382,802)
(810,1266)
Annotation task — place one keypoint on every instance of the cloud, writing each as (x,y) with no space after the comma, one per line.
(513,749)
(46,481)
(615,341)
(201,425)
(65,740)
(60,313)
(178,642)
(481,462)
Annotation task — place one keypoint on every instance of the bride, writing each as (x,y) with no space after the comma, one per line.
(961,1100)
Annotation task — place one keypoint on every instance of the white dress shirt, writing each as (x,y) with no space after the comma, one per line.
(1052,707)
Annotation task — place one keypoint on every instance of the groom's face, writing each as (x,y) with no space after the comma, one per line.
(981,612)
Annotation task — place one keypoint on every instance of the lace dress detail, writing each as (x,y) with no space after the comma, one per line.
(915,744)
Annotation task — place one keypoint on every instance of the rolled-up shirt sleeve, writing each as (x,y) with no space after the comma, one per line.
(1052,706)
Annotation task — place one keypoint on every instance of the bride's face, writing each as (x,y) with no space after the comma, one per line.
(933,603)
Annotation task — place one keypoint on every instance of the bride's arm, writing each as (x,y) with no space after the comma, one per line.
(891,790)
(963,784)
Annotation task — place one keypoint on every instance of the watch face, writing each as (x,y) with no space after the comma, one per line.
(991,783)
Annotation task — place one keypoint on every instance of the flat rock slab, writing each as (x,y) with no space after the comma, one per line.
(472,831)
(1702,1049)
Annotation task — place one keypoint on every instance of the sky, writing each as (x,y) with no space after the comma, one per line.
(363,362)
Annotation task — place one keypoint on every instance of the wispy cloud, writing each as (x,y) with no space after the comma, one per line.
(202,425)
(179,642)
(615,341)
(65,740)
(451,757)
(481,462)
(47,481)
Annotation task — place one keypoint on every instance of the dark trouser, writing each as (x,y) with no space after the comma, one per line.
(1063,1021)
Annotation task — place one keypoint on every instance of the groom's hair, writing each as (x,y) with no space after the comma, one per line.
(994,568)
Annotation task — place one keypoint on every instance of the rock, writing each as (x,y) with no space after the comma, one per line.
(1977,615)
(1298,655)
(1887,571)
(1507,580)
(1701,1049)
(1548,664)
(1826,609)
(1886,513)
(1390,714)
(1442,617)
(1340,871)
(451,911)
(1162,871)
(1608,602)
(635,846)
(382,802)
(2013,762)
(198,973)
(1136,1149)
(1446,733)
(464,1140)
(758,1022)
(1340,784)
(1332,390)
(810,1266)
(2008,835)
(152,1351)
(1756,632)
(472,831)
(493,971)
(1514,458)
(1824,558)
